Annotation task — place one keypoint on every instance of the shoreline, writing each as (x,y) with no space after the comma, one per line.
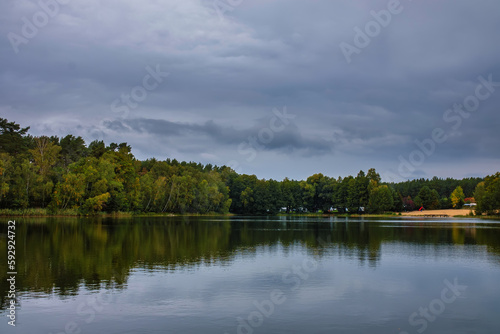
(41,213)
(447,213)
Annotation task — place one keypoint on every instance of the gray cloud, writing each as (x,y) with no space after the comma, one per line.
(227,75)
(288,139)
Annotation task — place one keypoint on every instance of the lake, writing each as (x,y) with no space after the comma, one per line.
(230,275)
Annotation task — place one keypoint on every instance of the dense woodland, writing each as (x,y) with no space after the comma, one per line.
(64,175)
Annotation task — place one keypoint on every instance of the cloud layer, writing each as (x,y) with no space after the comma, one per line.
(228,70)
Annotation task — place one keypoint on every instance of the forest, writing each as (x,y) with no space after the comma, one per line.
(67,176)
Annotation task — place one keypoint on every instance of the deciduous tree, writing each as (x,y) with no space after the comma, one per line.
(457,197)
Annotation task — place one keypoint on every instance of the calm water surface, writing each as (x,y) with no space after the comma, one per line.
(253,275)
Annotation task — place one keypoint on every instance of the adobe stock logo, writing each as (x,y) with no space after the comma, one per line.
(428,314)
(372,29)
(460,111)
(30,28)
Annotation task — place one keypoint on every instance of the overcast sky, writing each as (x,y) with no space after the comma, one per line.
(276,88)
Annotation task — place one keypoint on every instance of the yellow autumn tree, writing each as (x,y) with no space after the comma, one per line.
(44,154)
(457,197)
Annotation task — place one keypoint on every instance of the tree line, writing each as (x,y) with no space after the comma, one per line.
(66,175)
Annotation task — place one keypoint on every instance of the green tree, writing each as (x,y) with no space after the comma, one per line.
(308,191)
(398,201)
(247,199)
(427,198)
(146,182)
(23,179)
(126,173)
(161,199)
(5,174)
(97,148)
(487,195)
(237,184)
(288,194)
(445,203)
(72,149)
(479,195)
(341,194)
(372,175)
(352,200)
(381,199)
(322,198)
(69,193)
(362,182)
(95,204)
(12,138)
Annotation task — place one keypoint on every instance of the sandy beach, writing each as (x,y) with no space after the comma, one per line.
(448,212)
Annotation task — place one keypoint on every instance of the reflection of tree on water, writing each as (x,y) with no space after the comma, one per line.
(60,255)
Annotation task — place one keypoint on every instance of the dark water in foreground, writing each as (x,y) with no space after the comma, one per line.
(253,275)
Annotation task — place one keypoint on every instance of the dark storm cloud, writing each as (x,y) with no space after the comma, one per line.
(287,139)
(227,75)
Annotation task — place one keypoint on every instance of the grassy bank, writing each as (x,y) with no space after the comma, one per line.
(40,212)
